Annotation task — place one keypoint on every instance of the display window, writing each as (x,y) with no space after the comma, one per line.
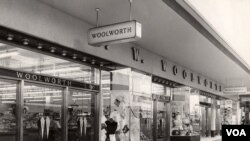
(45,98)
(8,113)
(186,112)
(127,106)
(42,112)
(161,95)
(115,106)
(80,116)
(142,105)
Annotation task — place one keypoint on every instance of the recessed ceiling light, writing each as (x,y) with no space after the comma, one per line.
(39,46)
(84,59)
(10,37)
(25,42)
(64,53)
(74,56)
(52,49)
(93,62)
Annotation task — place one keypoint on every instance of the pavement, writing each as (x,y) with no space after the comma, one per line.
(216,138)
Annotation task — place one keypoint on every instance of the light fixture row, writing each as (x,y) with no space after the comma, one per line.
(165,82)
(40,46)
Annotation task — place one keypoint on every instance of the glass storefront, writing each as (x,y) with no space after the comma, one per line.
(24,60)
(162,98)
(132,107)
(80,117)
(8,115)
(185,112)
(128,107)
(37,104)
(212,114)
(142,105)
(42,112)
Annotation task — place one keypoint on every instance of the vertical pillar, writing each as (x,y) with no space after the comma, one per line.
(154,120)
(213,117)
(64,114)
(96,106)
(238,116)
(203,121)
(168,121)
(96,115)
(208,113)
(98,112)
(247,113)
(19,110)
(218,119)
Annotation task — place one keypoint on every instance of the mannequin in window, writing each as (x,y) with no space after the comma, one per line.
(177,124)
(111,128)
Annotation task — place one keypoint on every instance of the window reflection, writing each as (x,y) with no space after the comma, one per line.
(185,112)
(79,116)
(25,60)
(7,110)
(161,120)
(158,89)
(142,104)
(162,93)
(42,113)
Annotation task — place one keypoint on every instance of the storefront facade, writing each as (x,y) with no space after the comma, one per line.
(42,91)
(51,76)
(46,98)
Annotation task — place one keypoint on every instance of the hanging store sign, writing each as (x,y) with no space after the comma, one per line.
(235,90)
(228,103)
(161,98)
(114,33)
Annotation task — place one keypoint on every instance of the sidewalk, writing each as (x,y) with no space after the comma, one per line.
(217,138)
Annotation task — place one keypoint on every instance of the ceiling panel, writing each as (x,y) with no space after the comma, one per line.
(163,32)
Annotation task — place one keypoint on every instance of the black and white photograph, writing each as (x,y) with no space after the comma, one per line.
(124,70)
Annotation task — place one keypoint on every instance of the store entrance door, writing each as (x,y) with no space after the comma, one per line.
(46,107)
(161,131)
(80,115)
(205,121)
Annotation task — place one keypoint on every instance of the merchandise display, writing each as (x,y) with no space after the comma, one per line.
(185,113)
(7,121)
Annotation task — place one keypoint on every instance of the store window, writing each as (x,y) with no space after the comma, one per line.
(142,107)
(185,112)
(162,95)
(127,106)
(158,89)
(106,90)
(80,117)
(116,110)
(25,60)
(8,113)
(42,112)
